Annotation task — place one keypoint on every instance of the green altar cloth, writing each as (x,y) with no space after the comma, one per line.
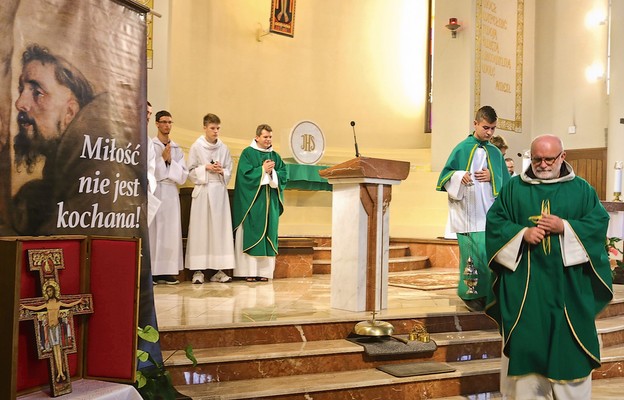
(306,177)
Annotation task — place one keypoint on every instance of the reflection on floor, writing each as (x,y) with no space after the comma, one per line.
(241,303)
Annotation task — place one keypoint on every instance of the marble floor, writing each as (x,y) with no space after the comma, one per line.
(241,303)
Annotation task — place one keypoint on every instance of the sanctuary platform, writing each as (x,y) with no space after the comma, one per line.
(282,340)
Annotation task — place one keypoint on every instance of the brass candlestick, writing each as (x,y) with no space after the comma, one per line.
(617,186)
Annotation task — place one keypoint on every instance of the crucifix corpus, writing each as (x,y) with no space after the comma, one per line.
(52,315)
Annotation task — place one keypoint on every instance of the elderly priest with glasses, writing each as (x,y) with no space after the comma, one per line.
(545,239)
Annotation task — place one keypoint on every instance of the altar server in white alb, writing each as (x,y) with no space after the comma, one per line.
(210,243)
(165,231)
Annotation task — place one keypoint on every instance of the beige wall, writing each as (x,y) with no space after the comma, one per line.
(563,96)
(359,60)
(362,60)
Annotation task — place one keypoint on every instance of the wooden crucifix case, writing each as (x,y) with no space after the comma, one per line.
(72,305)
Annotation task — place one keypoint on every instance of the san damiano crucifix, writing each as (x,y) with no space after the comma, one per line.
(52,315)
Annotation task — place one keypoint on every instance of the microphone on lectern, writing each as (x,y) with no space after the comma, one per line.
(357,151)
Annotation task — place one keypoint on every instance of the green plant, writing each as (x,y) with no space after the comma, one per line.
(154,382)
(614,253)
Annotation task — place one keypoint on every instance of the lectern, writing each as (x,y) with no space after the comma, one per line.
(361,193)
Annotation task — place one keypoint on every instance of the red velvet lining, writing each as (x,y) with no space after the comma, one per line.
(111,336)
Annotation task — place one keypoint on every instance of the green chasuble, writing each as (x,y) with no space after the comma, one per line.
(546,310)
(257,207)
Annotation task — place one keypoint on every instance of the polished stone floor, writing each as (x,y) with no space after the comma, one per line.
(241,303)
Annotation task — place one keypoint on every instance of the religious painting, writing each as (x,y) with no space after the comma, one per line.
(283,17)
(76,166)
(499,60)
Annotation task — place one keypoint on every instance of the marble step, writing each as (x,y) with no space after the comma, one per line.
(321,267)
(471,380)
(616,306)
(256,361)
(408,263)
(329,328)
(260,361)
(371,383)
(612,354)
(610,331)
(298,331)
(398,264)
(395,251)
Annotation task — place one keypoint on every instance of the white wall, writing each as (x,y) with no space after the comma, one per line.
(564,48)
(615,149)
(158,76)
(361,60)
(453,79)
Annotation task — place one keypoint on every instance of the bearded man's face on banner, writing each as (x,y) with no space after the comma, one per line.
(45,108)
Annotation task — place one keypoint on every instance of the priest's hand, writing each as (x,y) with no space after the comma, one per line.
(534,235)
(550,224)
(483,175)
(268,166)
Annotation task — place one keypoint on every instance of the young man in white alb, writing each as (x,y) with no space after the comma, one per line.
(210,242)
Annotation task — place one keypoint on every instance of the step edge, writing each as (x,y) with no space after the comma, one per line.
(303,385)
(297,351)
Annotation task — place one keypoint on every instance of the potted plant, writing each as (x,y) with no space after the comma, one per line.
(615,256)
(154,382)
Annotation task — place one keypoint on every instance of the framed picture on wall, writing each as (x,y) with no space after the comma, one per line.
(283,17)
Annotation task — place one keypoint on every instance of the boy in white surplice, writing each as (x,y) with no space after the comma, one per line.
(210,241)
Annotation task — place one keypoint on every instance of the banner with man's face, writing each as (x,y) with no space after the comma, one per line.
(72,118)
(73,127)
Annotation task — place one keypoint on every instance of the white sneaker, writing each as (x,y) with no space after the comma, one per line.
(221,277)
(198,277)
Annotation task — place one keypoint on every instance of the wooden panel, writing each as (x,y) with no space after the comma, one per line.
(590,164)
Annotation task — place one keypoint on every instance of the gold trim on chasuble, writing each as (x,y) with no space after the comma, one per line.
(524,296)
(545,209)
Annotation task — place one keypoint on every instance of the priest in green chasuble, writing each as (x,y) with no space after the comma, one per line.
(545,239)
(472,178)
(258,202)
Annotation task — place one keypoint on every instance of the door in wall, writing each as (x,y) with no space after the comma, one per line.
(591,165)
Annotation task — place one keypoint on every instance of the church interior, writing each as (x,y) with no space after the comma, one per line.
(368,62)
(390,80)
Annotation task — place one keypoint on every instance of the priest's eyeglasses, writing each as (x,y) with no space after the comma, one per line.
(548,160)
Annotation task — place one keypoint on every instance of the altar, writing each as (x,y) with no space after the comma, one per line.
(306,177)
(616,223)
(91,389)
